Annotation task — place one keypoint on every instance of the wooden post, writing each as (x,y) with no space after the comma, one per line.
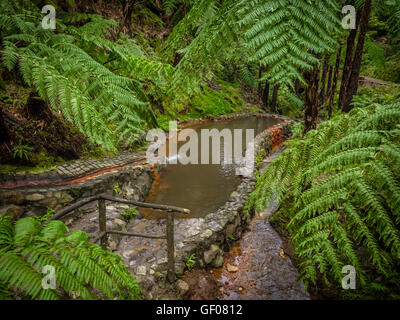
(102,222)
(170,247)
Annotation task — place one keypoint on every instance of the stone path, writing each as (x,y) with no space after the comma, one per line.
(70,170)
(258,269)
(147,258)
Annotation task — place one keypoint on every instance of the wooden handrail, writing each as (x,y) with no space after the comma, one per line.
(102,198)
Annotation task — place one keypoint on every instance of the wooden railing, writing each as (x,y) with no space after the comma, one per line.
(102,198)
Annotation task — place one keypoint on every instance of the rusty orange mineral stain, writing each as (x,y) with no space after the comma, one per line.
(277,137)
(16,184)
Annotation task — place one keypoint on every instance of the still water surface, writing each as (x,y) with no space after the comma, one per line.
(202,188)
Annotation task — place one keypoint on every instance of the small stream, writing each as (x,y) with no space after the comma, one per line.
(256,267)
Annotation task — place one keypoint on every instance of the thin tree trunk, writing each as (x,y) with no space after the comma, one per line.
(127,11)
(311,100)
(297,86)
(348,62)
(323,79)
(266,95)
(274,98)
(356,66)
(335,80)
(4,134)
(329,84)
(259,82)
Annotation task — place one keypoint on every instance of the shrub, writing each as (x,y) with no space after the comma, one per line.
(83,270)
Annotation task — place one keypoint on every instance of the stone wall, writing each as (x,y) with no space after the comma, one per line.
(205,237)
(132,182)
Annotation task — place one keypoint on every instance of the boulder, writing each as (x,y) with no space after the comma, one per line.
(218,261)
(182,287)
(34,197)
(211,253)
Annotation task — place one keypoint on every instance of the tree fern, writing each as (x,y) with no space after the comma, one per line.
(284,35)
(341,188)
(83,270)
(96,83)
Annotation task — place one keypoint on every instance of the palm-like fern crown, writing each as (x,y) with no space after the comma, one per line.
(284,35)
(73,69)
(340,186)
(83,270)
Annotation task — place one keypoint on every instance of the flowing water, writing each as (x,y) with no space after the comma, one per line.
(202,188)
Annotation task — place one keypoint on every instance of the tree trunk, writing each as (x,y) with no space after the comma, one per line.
(334,84)
(297,86)
(4,134)
(356,65)
(348,62)
(127,13)
(323,79)
(274,98)
(265,95)
(259,82)
(311,103)
(329,84)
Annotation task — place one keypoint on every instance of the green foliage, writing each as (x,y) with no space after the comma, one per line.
(49,213)
(190,261)
(283,35)
(116,189)
(341,187)
(129,213)
(83,270)
(22,151)
(217,102)
(78,71)
(260,157)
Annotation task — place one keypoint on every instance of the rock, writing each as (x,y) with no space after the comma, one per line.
(111,244)
(29,214)
(218,261)
(65,198)
(234,195)
(162,261)
(182,286)
(119,224)
(69,221)
(206,234)
(230,229)
(12,197)
(49,202)
(139,215)
(141,270)
(34,197)
(15,212)
(210,254)
(231,268)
